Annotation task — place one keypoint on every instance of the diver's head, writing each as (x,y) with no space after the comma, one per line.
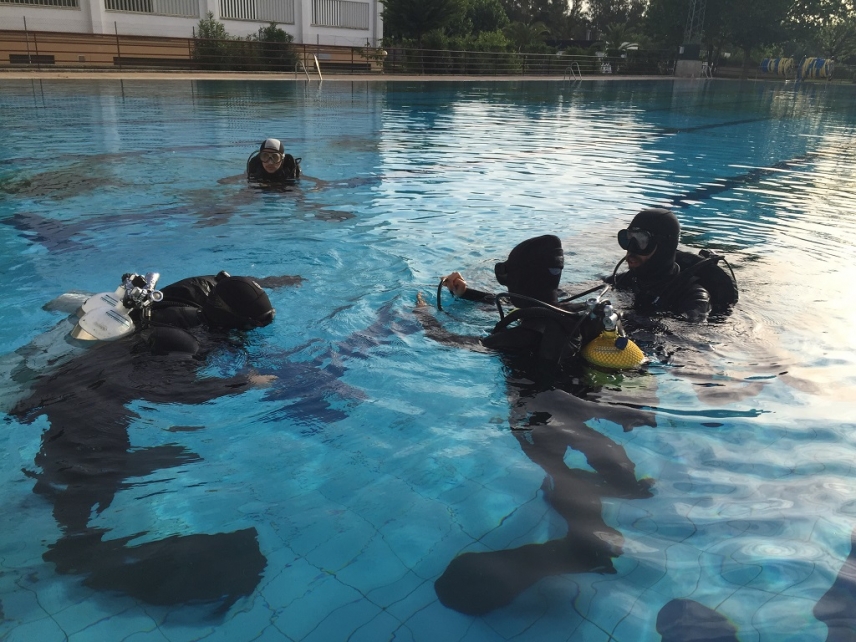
(271,154)
(651,241)
(533,269)
(238,303)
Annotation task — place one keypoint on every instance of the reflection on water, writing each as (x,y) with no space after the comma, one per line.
(381,463)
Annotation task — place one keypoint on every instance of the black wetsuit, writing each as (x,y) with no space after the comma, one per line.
(86,456)
(288,170)
(666,291)
(548,416)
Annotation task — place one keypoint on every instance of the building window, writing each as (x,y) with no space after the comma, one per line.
(340,13)
(280,11)
(185,8)
(65,4)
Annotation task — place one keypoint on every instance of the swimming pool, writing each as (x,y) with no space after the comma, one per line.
(378,456)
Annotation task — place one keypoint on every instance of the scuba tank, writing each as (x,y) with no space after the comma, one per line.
(611,349)
(111,315)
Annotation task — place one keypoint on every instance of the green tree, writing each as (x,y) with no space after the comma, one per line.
(277,50)
(752,24)
(412,19)
(824,27)
(603,13)
(665,21)
(486,15)
(210,43)
(618,36)
(523,37)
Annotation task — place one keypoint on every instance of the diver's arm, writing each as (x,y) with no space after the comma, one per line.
(274,282)
(438,333)
(458,287)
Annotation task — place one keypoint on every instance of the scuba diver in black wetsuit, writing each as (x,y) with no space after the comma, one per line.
(271,164)
(552,331)
(663,279)
(548,416)
(86,455)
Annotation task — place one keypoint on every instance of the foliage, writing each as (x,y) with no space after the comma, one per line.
(412,19)
(525,37)
(277,50)
(214,48)
(603,13)
(618,36)
(209,28)
(824,27)
(486,15)
(211,48)
(665,21)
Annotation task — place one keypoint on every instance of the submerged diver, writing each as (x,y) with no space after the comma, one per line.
(86,454)
(271,164)
(549,415)
(664,279)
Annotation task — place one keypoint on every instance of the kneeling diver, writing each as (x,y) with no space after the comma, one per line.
(548,416)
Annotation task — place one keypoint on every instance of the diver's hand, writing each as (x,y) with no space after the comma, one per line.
(456,284)
(261,381)
(420,302)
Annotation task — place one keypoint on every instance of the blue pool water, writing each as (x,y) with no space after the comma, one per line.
(378,456)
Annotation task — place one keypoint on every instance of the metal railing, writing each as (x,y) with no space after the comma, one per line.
(51,50)
(447,62)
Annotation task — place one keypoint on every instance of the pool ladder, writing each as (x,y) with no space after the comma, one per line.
(299,65)
(573,72)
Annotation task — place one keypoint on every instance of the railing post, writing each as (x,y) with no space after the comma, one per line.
(118,50)
(36,45)
(27,36)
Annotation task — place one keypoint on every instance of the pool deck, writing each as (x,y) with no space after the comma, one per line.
(83,74)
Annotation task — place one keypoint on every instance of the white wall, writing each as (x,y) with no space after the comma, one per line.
(45,19)
(91,17)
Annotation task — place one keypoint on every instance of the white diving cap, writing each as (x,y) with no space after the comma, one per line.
(272,145)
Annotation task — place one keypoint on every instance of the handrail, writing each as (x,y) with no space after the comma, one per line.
(300,62)
(318,67)
(573,72)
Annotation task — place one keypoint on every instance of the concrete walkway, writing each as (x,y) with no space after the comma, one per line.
(111,74)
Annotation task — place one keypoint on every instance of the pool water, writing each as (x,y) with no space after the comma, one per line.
(330,503)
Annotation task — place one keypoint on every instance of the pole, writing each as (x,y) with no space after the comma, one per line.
(27,36)
(36,45)
(118,50)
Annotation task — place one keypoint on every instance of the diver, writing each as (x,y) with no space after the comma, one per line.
(666,280)
(549,412)
(550,330)
(271,164)
(215,303)
(87,456)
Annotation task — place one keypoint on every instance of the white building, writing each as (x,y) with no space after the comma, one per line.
(350,23)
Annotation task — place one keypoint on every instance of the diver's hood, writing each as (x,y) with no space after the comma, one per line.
(238,303)
(666,229)
(533,269)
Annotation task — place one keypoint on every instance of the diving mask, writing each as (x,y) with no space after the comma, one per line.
(270,157)
(637,241)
